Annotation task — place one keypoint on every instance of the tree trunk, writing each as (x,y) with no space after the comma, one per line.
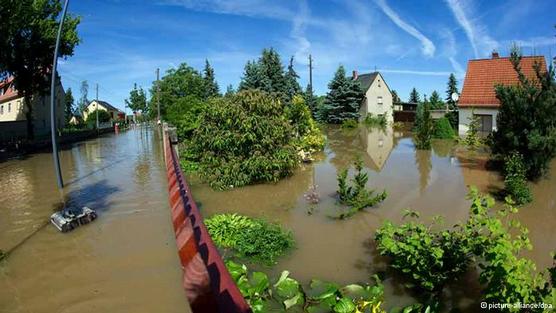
(29,117)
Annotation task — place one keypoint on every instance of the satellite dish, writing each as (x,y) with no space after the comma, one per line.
(455,96)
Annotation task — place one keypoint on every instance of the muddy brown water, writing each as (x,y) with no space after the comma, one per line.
(431,182)
(125,261)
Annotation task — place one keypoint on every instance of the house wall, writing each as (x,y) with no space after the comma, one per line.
(465,114)
(370,104)
(14,111)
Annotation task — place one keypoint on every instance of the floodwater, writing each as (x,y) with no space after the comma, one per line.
(431,182)
(125,261)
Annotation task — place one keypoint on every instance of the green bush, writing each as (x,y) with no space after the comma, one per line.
(184,114)
(372,121)
(472,139)
(103,117)
(443,129)
(288,294)
(349,124)
(356,195)
(249,238)
(429,259)
(515,179)
(423,127)
(244,139)
(309,137)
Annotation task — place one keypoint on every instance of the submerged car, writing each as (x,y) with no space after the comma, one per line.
(69,219)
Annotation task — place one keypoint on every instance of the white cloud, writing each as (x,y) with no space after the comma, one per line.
(481,42)
(428,47)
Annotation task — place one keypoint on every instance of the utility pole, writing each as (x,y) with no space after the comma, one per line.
(311,72)
(55,155)
(97,107)
(158,94)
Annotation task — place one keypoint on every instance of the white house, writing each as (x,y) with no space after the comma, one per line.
(478,96)
(378,97)
(115,113)
(13,119)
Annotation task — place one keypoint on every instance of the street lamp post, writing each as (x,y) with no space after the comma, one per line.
(55,155)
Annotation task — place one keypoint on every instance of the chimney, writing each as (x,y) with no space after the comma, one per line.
(355,75)
(495,54)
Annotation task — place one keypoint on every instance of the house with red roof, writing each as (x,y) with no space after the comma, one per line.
(478,96)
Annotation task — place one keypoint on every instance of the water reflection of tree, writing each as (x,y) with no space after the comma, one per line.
(424,166)
(443,148)
(346,145)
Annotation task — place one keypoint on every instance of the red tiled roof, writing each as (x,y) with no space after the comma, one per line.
(483,75)
(9,93)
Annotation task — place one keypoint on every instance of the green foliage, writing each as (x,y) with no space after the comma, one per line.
(423,127)
(498,242)
(289,295)
(451,88)
(372,121)
(211,86)
(178,84)
(229,91)
(69,106)
(526,122)
(103,117)
(453,117)
(515,179)
(429,259)
(349,124)
(414,96)
(249,238)
(309,137)
(184,114)
(311,101)
(436,102)
(443,129)
(137,101)
(292,86)
(472,139)
(244,139)
(494,241)
(343,99)
(29,29)
(356,195)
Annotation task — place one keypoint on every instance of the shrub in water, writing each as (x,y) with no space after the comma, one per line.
(356,195)
(349,124)
(244,139)
(515,179)
(249,238)
(443,129)
(375,121)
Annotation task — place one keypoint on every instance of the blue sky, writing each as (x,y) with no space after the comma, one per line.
(413,43)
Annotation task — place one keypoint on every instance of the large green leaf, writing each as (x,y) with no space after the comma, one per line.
(259,282)
(321,290)
(344,305)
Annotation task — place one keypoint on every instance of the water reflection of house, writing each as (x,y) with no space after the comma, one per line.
(478,97)
(378,144)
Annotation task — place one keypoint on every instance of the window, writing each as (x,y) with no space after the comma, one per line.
(379,100)
(485,123)
(9,107)
(2,109)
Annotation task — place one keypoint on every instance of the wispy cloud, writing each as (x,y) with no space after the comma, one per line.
(298,32)
(428,47)
(253,8)
(450,52)
(533,42)
(481,42)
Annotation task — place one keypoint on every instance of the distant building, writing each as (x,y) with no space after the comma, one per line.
(378,97)
(478,96)
(115,113)
(13,121)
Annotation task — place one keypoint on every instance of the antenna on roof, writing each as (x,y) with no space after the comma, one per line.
(375,68)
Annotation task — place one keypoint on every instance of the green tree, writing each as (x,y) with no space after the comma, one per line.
(69,105)
(178,84)
(252,77)
(292,86)
(103,117)
(137,101)
(452,88)
(230,90)
(424,128)
(414,96)
(343,99)
(211,85)
(526,122)
(83,101)
(436,102)
(29,29)
(472,139)
(267,74)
